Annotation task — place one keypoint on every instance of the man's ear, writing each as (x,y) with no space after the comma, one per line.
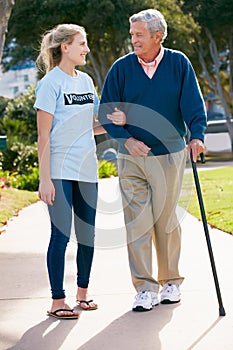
(158,36)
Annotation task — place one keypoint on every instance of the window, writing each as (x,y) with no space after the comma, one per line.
(15,90)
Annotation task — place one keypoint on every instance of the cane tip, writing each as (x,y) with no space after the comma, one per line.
(222,311)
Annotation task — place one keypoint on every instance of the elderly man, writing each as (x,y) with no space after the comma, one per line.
(157,89)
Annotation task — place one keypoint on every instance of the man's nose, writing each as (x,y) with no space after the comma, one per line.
(133,39)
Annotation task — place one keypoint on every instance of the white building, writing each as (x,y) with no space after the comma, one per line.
(16,81)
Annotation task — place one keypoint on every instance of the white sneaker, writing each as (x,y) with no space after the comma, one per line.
(145,301)
(170,294)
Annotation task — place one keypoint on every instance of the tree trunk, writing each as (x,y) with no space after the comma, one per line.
(94,71)
(215,57)
(231,64)
(210,82)
(5,10)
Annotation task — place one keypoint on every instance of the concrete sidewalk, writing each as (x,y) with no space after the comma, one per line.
(24,291)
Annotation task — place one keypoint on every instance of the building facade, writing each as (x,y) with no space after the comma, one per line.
(17,80)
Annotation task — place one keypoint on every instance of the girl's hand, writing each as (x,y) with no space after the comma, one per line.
(117,117)
(47,192)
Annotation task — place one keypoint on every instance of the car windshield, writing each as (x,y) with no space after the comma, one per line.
(215,111)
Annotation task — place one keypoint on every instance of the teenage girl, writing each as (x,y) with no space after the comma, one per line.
(66,102)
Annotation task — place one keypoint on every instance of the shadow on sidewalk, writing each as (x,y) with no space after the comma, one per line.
(49,334)
(133,330)
(204,334)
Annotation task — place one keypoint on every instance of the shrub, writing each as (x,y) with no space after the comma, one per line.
(106,169)
(5,180)
(29,182)
(18,120)
(3,103)
(19,158)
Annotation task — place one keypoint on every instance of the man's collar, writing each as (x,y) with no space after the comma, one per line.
(155,61)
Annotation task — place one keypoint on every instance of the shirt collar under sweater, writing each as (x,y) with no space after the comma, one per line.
(150,67)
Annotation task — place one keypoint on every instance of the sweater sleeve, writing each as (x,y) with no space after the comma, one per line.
(111,98)
(192,103)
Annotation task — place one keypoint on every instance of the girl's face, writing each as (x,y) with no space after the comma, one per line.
(76,52)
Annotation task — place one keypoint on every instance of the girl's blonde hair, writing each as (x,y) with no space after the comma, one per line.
(50,50)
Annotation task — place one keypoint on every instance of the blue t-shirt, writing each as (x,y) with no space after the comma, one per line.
(72,101)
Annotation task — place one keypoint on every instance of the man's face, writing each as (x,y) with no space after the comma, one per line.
(144,45)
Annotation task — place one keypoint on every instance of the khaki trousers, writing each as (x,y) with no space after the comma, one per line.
(150,188)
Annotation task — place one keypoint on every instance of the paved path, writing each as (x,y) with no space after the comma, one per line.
(24,290)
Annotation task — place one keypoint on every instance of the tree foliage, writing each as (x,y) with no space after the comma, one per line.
(106,22)
(215,49)
(19,119)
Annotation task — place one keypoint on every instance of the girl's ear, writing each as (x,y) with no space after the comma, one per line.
(63,47)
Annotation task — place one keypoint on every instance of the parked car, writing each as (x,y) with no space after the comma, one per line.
(216,118)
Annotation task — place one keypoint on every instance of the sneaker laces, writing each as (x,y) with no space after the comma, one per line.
(169,288)
(141,295)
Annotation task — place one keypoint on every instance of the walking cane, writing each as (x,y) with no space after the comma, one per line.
(201,204)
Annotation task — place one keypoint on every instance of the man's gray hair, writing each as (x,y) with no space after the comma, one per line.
(154,19)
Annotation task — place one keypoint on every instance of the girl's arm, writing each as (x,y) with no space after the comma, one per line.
(44,125)
(97,128)
(117,117)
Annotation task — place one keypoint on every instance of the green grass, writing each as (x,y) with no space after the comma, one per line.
(216,186)
(217,193)
(11,201)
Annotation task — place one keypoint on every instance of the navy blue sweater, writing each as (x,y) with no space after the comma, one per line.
(158,109)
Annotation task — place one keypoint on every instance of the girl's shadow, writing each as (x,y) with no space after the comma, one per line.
(49,334)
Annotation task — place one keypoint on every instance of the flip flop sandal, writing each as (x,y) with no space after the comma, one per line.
(87,302)
(63,317)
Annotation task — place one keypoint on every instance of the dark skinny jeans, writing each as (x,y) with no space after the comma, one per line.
(81,199)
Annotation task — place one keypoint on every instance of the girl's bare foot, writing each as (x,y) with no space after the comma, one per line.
(64,309)
(82,299)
